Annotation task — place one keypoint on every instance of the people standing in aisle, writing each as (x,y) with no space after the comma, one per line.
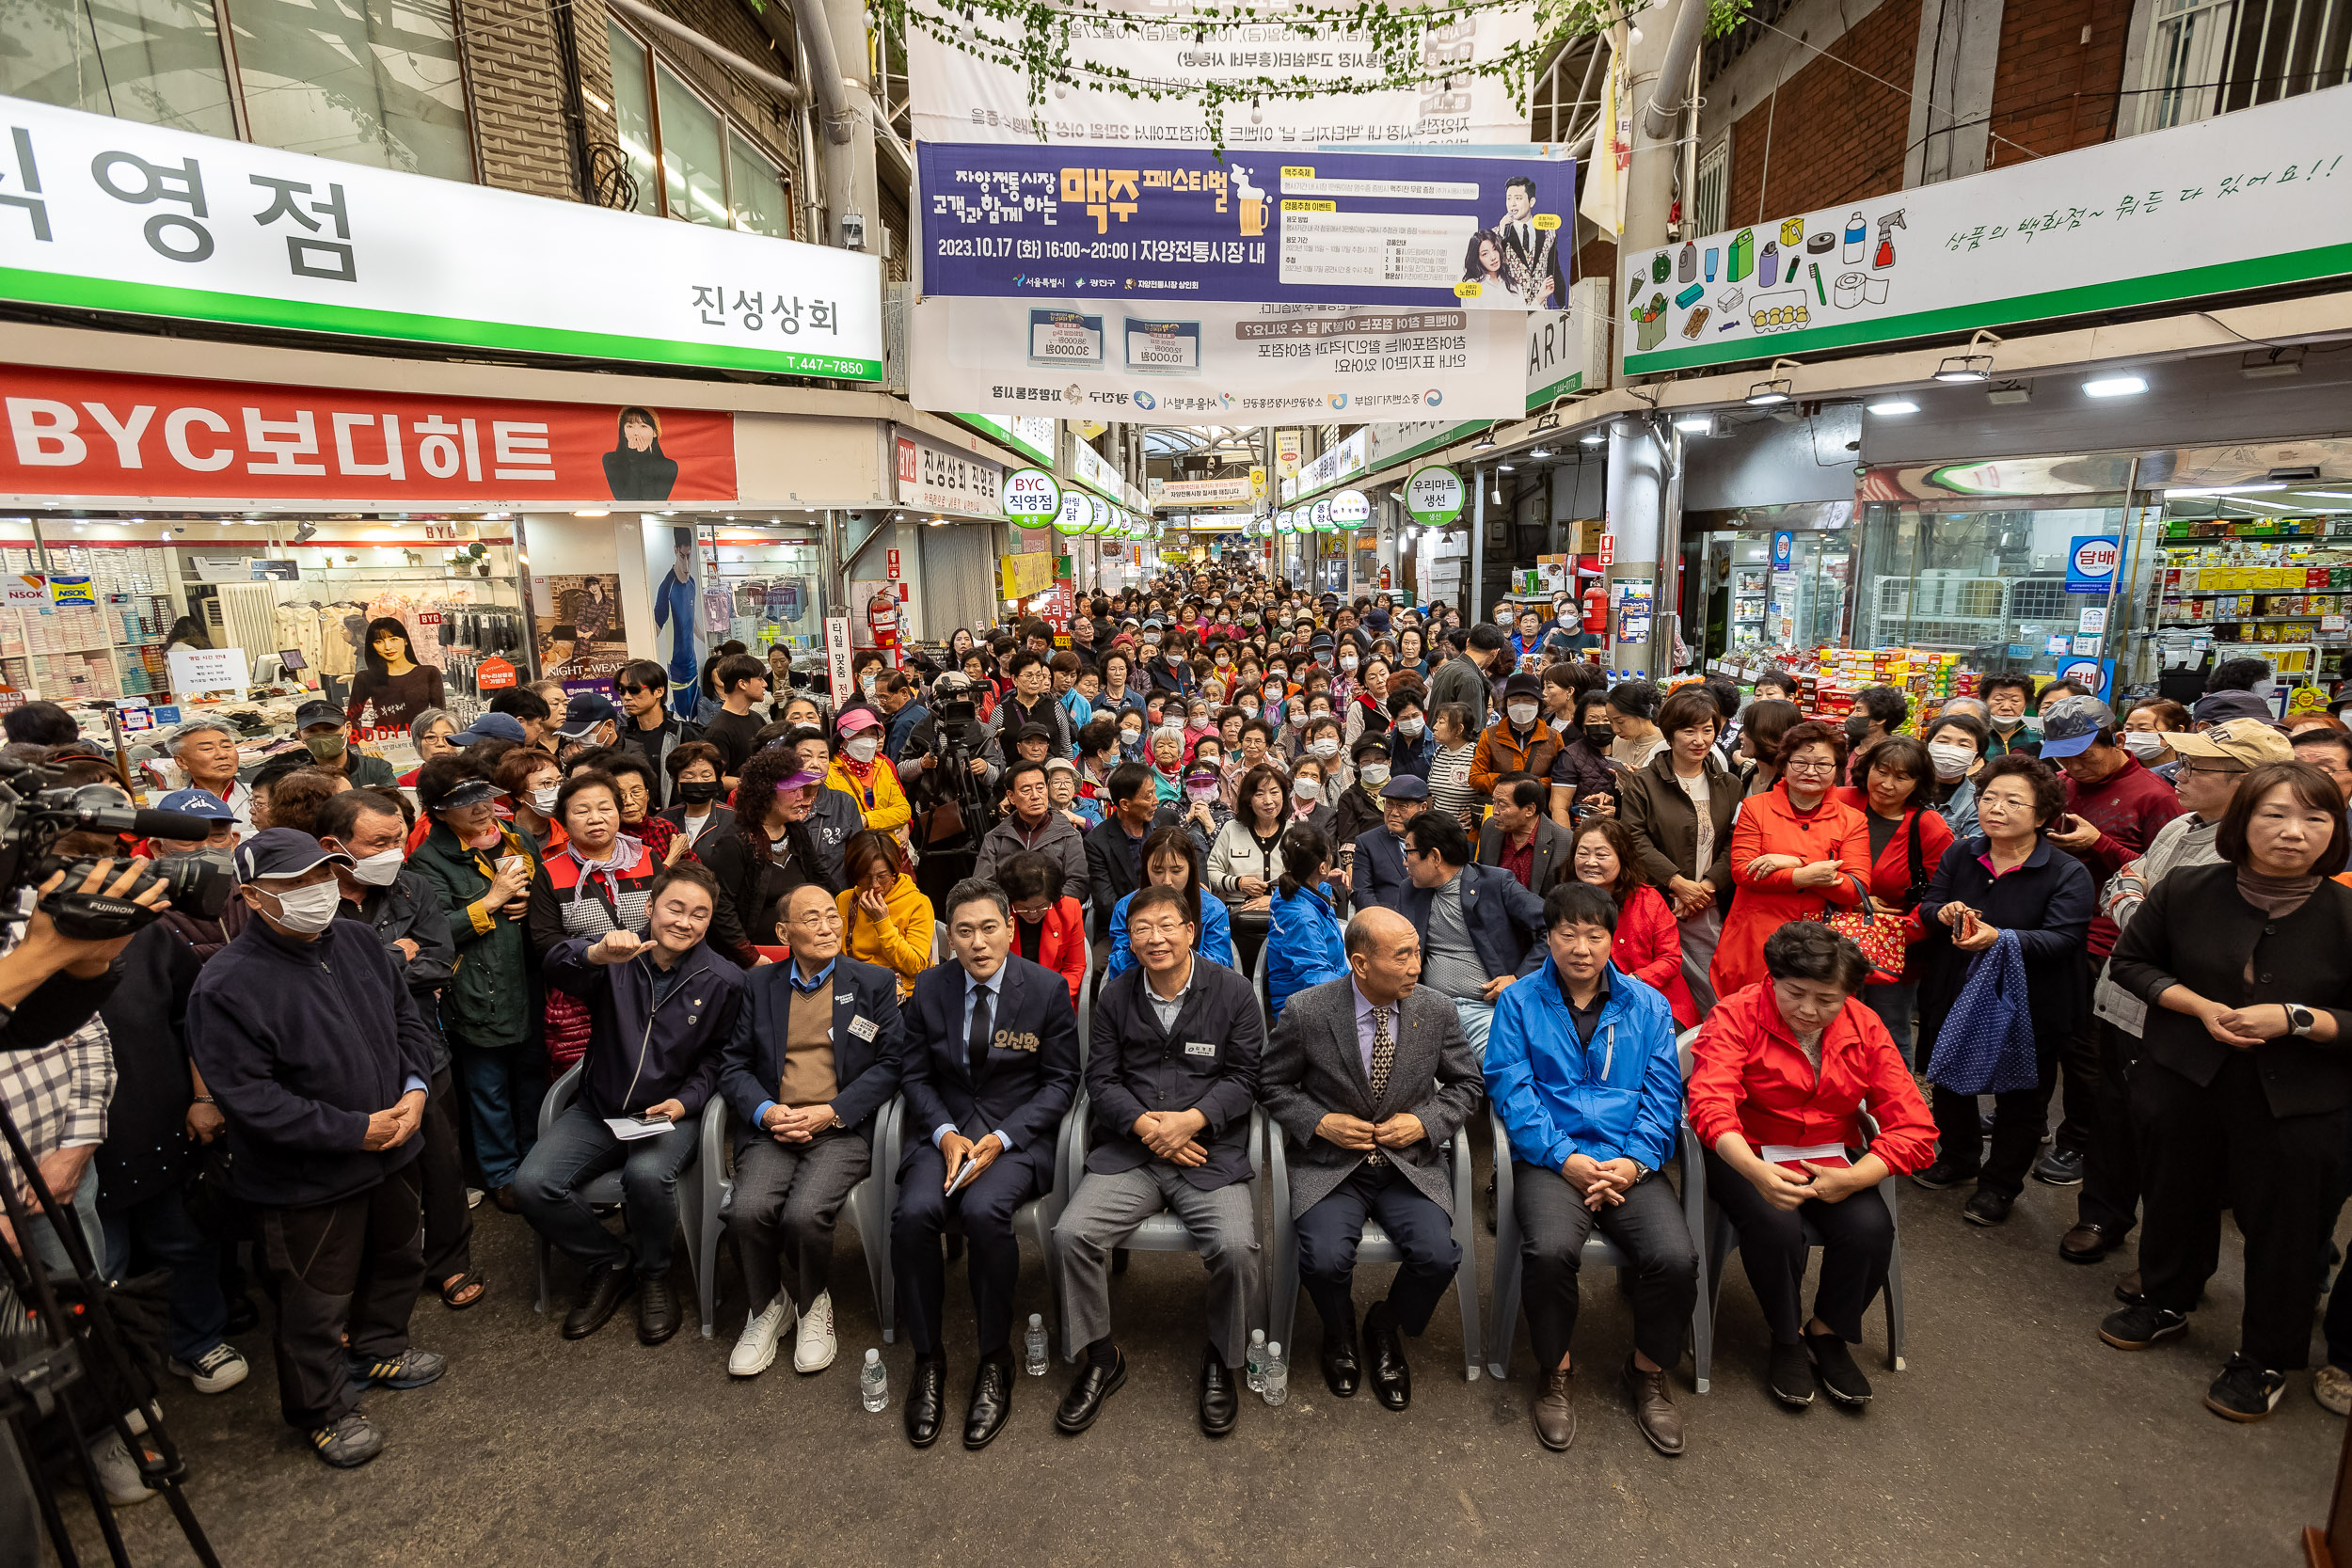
(2006,699)
(1794,849)
(1908,838)
(1030,823)
(1031,702)
(742,682)
(1521,743)
(1454,725)
(770,852)
(861,772)
(326,734)
(1679,807)
(1464,678)
(1633,708)
(530,779)
(1957,744)
(651,730)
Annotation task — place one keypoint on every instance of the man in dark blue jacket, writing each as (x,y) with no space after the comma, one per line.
(991,1066)
(1481,929)
(813,1060)
(1376,875)
(1170,1080)
(308,1040)
(662,1007)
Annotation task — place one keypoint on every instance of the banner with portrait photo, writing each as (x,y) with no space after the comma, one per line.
(582,642)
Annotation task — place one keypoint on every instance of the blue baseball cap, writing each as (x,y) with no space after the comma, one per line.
(2071,724)
(492,726)
(197,802)
(587,710)
(283,852)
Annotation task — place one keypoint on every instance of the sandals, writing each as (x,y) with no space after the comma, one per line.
(454,1289)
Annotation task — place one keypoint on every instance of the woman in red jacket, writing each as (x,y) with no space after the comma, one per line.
(1908,837)
(1791,849)
(1046,928)
(1649,942)
(1779,1076)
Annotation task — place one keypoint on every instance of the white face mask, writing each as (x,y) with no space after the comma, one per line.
(379,870)
(1522,714)
(542,800)
(1410,728)
(308,910)
(1373,774)
(865,683)
(1323,746)
(1131,739)
(1308,789)
(1347,661)
(2146,745)
(2265,686)
(1950,761)
(2006,722)
(863,748)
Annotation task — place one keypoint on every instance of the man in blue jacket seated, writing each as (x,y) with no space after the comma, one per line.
(661,1008)
(310,1045)
(1581,1067)
(991,1064)
(812,1059)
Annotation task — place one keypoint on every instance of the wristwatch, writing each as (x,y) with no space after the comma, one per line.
(1641,1172)
(2299,1017)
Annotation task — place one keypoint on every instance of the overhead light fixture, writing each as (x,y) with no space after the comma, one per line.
(2262,366)
(1971,365)
(1506,469)
(591,512)
(2016,392)
(2296,475)
(1595,436)
(1890,406)
(304,534)
(1776,389)
(1694,425)
(2115,387)
(2170,491)
(1549,421)
(1540,453)
(1485,442)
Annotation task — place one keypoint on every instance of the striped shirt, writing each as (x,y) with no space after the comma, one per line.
(1450,794)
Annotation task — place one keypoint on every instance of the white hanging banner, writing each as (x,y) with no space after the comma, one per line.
(960,97)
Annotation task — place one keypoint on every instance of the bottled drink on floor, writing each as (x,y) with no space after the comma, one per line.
(1274,1380)
(1033,1343)
(873,1383)
(1256,1360)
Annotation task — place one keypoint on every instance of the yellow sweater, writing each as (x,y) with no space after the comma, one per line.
(904,944)
(885,806)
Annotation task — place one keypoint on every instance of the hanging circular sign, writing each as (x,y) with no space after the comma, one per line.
(1074,514)
(1323,523)
(1434,496)
(1350,508)
(1032,498)
(1099,514)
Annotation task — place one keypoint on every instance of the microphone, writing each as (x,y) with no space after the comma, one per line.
(148,822)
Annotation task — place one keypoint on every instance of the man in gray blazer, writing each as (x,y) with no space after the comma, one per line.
(1369,1078)
(1522,840)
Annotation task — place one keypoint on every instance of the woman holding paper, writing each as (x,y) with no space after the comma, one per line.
(1779,1078)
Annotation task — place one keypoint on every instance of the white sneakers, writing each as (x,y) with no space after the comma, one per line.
(118,1472)
(757,1348)
(815,1350)
(216,1372)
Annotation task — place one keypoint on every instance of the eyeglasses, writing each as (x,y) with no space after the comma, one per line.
(1811,767)
(633,690)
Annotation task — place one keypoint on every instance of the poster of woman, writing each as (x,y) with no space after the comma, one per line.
(582,642)
(636,469)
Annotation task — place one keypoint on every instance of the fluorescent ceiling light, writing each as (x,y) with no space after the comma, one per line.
(2115,387)
(1595,436)
(1764,394)
(1963,367)
(2225,489)
(2331,495)
(1696,422)
(1894,405)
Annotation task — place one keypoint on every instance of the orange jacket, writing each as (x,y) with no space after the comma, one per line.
(1749,1076)
(1769,825)
(1499,753)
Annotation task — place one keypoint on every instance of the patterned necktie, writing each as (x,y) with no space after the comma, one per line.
(1383,1058)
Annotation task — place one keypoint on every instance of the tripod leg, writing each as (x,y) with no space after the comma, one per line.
(43,1498)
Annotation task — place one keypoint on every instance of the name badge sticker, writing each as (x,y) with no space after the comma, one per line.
(863,1028)
(1200,1048)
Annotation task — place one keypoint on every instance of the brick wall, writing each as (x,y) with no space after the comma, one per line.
(1835,136)
(2052,91)
(515,84)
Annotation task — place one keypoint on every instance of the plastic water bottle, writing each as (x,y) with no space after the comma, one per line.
(1274,1380)
(1257,1361)
(1033,1343)
(873,1383)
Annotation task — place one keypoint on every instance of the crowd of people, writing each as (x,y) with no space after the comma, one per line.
(1365,869)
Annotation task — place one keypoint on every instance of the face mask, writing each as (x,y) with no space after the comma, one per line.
(1598,736)
(1131,739)
(1199,791)
(308,910)
(700,792)
(1950,761)
(1373,774)
(1347,661)
(379,870)
(2146,745)
(2265,686)
(1410,728)
(1309,790)
(327,748)
(1857,728)
(1324,747)
(542,800)
(1223,659)
(1522,714)
(863,748)
(2005,723)
(1296,716)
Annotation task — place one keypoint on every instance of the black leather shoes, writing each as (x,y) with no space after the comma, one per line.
(656,1309)
(992,1401)
(927,1399)
(1391,1378)
(1085,1400)
(1342,1363)
(601,1293)
(1220,1406)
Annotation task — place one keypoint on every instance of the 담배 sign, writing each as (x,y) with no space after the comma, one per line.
(197,671)
(1432,495)
(1024,221)
(2091,563)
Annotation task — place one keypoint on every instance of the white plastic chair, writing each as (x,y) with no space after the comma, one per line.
(868,1209)
(606,1189)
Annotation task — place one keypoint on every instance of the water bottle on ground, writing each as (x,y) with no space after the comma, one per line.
(873,1383)
(1033,1343)
(1274,1381)
(1257,1361)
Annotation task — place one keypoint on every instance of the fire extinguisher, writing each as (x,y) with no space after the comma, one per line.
(1596,608)
(881,622)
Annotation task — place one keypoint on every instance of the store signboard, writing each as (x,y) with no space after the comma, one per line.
(25,591)
(1256,363)
(983,94)
(85,435)
(1033,437)
(1434,496)
(1204,492)
(1025,220)
(195,671)
(67,591)
(1334,464)
(839,682)
(2096,673)
(2090,562)
(939,479)
(110,215)
(2258,199)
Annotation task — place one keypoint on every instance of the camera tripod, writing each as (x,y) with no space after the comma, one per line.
(83,1341)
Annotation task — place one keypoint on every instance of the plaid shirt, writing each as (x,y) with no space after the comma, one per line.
(57,1095)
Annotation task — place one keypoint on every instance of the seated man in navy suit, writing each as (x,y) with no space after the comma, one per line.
(1378,877)
(991,1066)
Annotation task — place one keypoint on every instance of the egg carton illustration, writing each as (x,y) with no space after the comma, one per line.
(1781,310)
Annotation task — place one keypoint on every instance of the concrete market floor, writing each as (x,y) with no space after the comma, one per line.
(2015,1436)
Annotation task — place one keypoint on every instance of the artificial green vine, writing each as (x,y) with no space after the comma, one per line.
(1399,36)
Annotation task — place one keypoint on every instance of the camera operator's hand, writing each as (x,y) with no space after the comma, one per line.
(980,767)
(45,950)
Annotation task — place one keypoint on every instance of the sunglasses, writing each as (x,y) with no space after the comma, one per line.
(633,690)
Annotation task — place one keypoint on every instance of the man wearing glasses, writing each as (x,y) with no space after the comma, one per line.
(1483,927)
(653,732)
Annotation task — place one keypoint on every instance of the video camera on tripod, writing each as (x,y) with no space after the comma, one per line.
(37,810)
(962,738)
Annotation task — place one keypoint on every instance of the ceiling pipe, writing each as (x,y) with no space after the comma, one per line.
(662,22)
(1668,97)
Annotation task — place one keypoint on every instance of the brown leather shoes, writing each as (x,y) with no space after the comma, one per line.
(1555,1412)
(1654,1409)
(2085,1243)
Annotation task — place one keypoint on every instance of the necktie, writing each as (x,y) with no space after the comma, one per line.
(1383,1058)
(976,1047)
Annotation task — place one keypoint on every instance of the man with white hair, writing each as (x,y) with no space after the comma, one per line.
(206,751)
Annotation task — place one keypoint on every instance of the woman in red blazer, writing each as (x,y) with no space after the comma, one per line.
(1648,944)
(1047,928)
(1895,801)
(1780,1075)
(1790,851)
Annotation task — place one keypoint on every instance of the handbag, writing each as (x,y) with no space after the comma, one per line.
(1986,1045)
(1879,933)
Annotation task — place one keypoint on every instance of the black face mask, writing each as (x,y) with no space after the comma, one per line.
(1858,729)
(700,792)
(1598,736)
